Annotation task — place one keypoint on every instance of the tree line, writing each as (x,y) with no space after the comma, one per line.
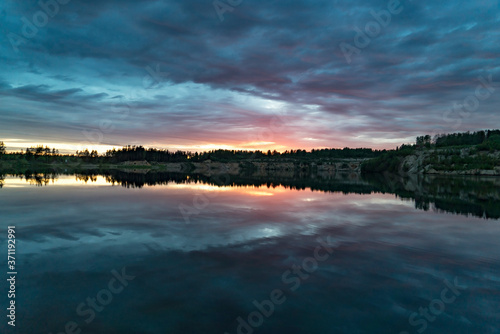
(458,139)
(140,153)
(483,140)
(449,145)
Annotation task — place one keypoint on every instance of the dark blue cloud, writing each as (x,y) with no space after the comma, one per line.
(187,77)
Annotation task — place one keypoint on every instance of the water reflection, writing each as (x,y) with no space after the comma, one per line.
(467,195)
(388,259)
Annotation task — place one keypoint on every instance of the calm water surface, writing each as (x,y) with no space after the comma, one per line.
(204,258)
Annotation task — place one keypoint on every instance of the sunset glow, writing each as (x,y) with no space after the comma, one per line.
(193,82)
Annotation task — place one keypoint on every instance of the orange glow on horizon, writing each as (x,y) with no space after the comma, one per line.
(99,180)
(16,145)
(69,148)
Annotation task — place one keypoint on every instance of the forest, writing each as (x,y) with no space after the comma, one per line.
(448,146)
(458,139)
(140,153)
(378,160)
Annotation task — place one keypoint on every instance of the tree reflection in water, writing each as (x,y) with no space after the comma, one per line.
(466,195)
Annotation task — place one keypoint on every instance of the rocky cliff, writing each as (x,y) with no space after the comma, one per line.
(464,161)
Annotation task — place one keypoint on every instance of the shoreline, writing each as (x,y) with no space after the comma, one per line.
(236,168)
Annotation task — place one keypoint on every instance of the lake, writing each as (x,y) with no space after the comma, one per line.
(135,253)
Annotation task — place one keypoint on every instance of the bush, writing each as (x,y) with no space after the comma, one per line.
(491,144)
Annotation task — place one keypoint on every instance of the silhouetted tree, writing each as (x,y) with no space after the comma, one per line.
(462,139)
(424,141)
(2,148)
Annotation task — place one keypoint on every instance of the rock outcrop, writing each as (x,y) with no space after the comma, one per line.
(465,161)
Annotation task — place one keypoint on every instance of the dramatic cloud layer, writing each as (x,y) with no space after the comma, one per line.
(254,74)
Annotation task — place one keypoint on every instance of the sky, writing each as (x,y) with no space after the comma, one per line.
(245,74)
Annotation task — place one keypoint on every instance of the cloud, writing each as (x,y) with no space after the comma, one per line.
(189,78)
